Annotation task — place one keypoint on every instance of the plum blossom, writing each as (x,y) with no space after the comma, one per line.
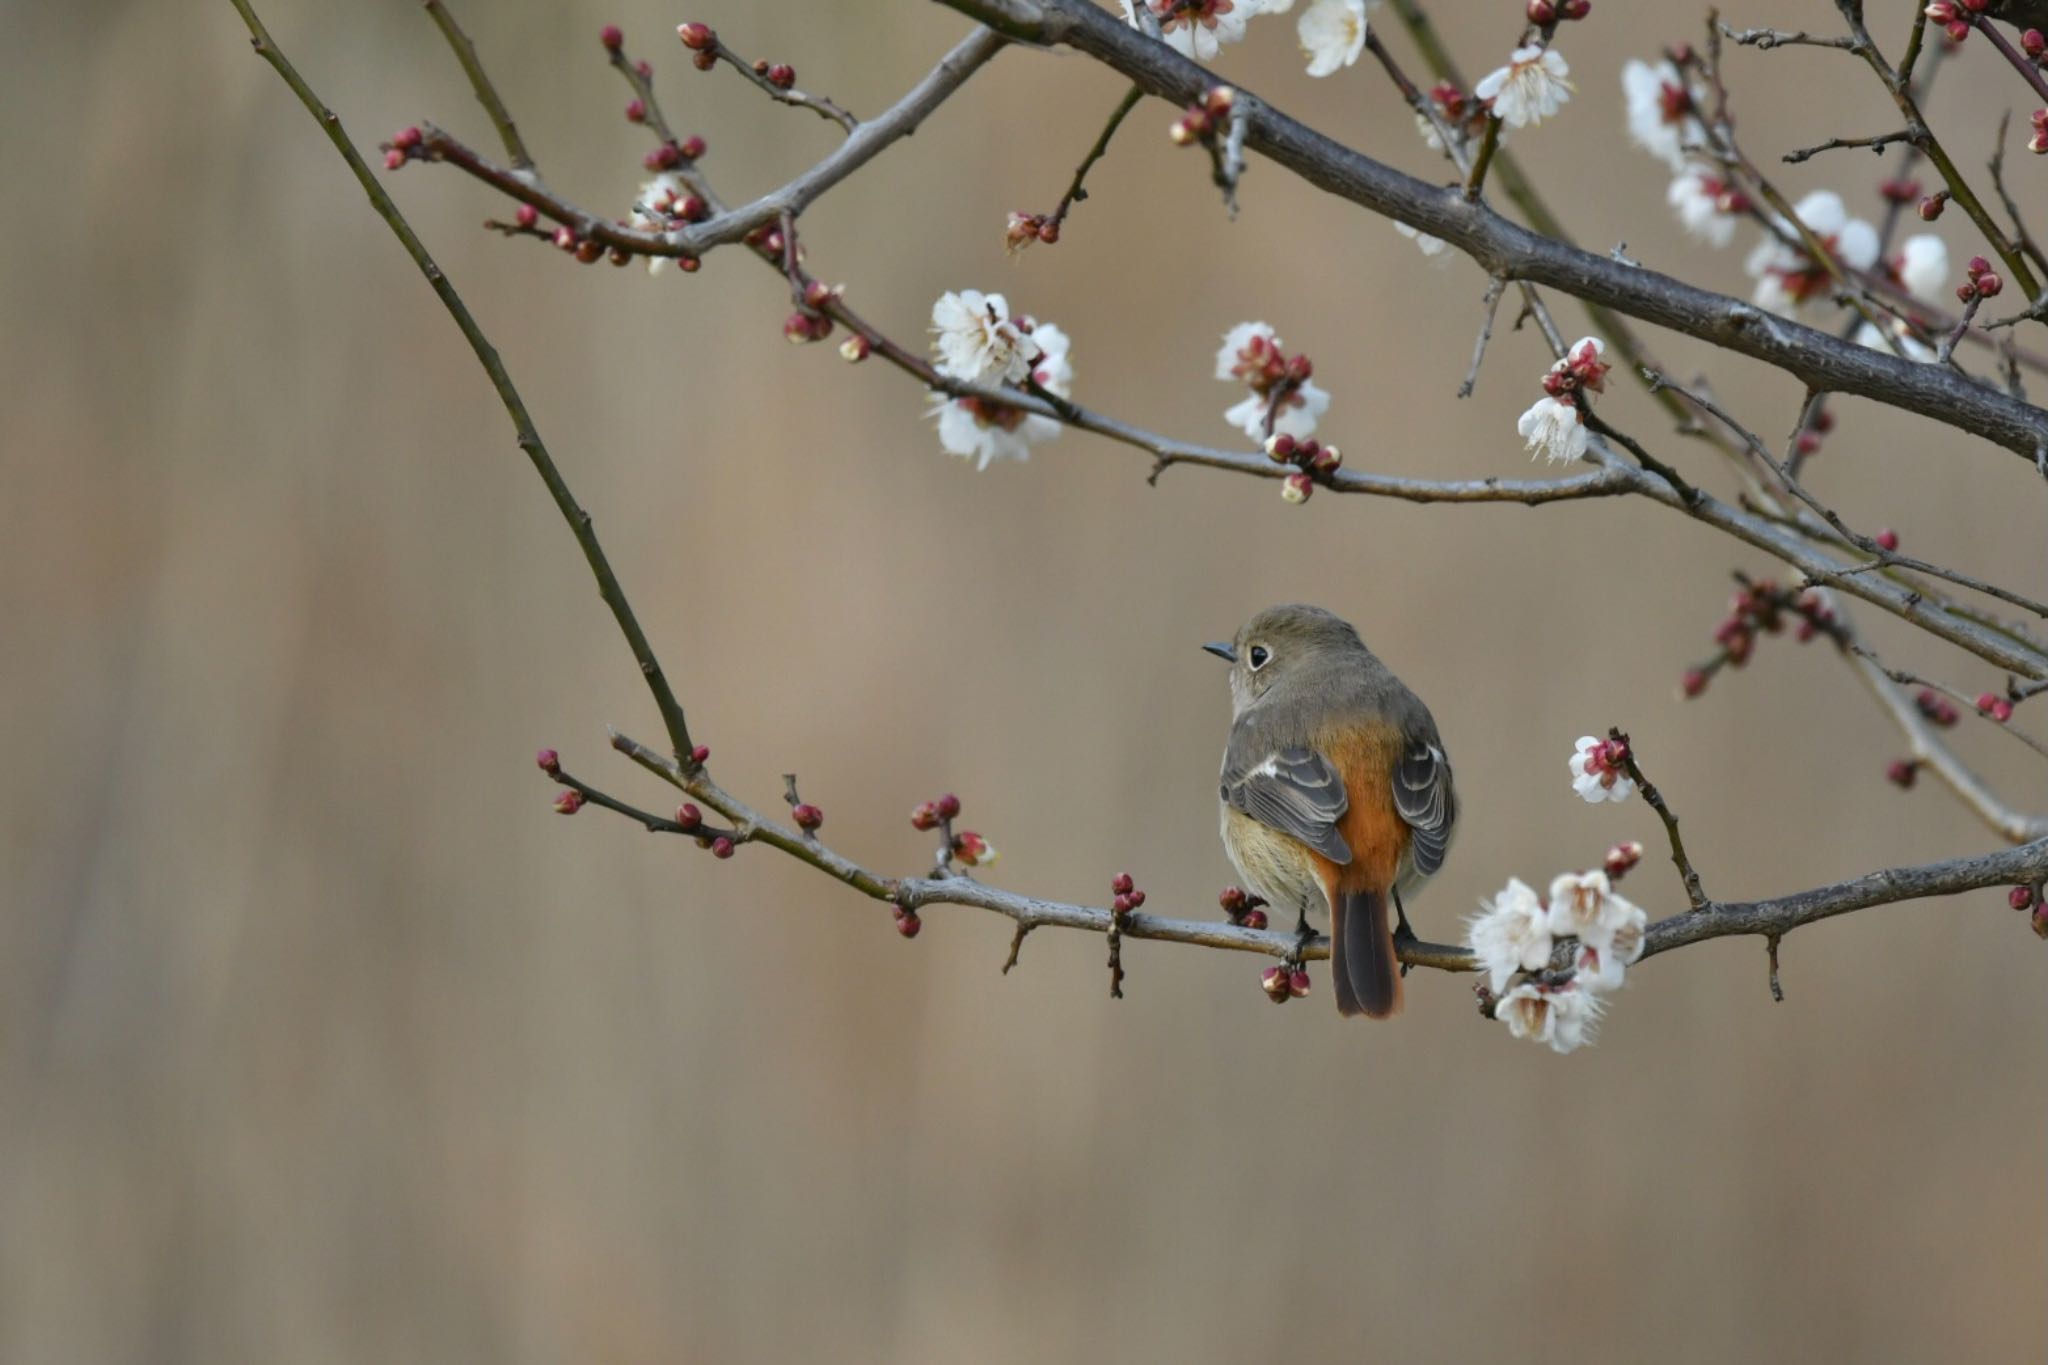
(1199,28)
(1706,203)
(1787,276)
(1601,966)
(1923,267)
(1895,339)
(1532,87)
(1553,428)
(976,339)
(1280,388)
(1599,770)
(986,431)
(1332,34)
(1564,1017)
(1511,935)
(1663,111)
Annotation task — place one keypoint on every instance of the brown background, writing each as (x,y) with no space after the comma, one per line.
(322,1039)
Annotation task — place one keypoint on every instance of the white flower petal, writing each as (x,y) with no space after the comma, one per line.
(1923,266)
(1332,34)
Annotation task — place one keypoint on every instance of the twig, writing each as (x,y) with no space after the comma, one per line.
(1077,189)
(1771,947)
(1489,143)
(1687,873)
(757,73)
(486,93)
(1928,749)
(1876,144)
(1765,39)
(1488,306)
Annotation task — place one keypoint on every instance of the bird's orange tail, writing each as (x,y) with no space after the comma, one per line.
(1362,955)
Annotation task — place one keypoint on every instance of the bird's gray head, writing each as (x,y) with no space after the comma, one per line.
(1285,642)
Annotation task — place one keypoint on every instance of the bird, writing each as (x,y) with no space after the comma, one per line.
(1336,790)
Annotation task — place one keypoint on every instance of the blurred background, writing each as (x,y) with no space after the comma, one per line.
(323,1039)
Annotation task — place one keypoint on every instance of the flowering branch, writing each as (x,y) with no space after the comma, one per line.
(1687,873)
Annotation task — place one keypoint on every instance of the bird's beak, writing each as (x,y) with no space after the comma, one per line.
(1222,650)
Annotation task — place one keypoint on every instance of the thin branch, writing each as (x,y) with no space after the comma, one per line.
(1488,306)
(515,407)
(758,74)
(486,93)
(1928,749)
(1687,873)
(1077,189)
(1765,39)
(1876,144)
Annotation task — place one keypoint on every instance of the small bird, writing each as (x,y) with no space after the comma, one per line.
(1335,789)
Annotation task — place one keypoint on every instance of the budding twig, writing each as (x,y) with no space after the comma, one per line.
(1876,144)
(486,93)
(1687,873)
(1488,306)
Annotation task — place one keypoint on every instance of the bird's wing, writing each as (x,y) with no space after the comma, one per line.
(1423,796)
(1291,789)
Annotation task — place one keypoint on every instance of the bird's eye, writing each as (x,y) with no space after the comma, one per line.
(1258,657)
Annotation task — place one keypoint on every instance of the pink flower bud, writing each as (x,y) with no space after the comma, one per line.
(1254,918)
(855,348)
(1233,900)
(2040,921)
(611,37)
(807,816)
(1274,982)
(704,61)
(1901,772)
(1575,9)
(1121,905)
(2021,898)
(818,293)
(1932,205)
(2033,43)
(688,816)
(1977,266)
(1297,488)
(907,923)
(2001,710)
(1280,448)
(1986,700)
(1966,291)
(526,215)
(1300,368)
(619,255)
(1182,131)
(393,159)
(1622,857)
(568,801)
(1989,285)
(1693,682)
(589,249)
(721,847)
(796,328)
(1888,539)
(948,806)
(1297,983)
(636,111)
(1900,190)
(408,138)
(700,754)
(1219,99)
(1541,13)
(924,816)
(697,37)
(781,75)
(692,148)
(689,265)
(1137,900)
(1121,884)
(550,761)
(1326,461)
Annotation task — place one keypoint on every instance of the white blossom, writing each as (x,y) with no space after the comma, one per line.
(1700,197)
(1299,412)
(1332,34)
(1511,935)
(1532,87)
(1601,965)
(1895,334)
(1923,266)
(1787,276)
(1429,246)
(977,340)
(1578,905)
(1200,28)
(985,431)
(1661,111)
(1553,428)
(1596,775)
(1245,345)
(1564,1017)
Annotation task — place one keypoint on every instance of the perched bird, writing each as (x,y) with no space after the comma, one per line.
(1335,789)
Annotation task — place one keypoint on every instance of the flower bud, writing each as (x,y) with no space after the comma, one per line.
(807,816)
(1622,857)
(1297,983)
(692,208)
(2021,898)
(2001,710)
(1121,884)
(550,762)
(611,37)
(697,37)
(1326,461)
(1300,368)
(1899,190)
(1575,9)
(1901,773)
(924,816)
(1541,13)
(700,754)
(407,138)
(855,348)
(1932,205)
(1218,101)
(2033,43)
(1693,682)
(1233,900)
(568,801)
(1986,700)
(636,111)
(721,847)
(1989,285)
(781,75)
(688,817)
(393,159)
(1887,539)
(1137,899)
(2040,921)
(948,806)
(526,215)
(589,249)
(1254,918)
(692,147)
(1274,982)
(1280,448)
(907,923)
(796,328)
(1297,487)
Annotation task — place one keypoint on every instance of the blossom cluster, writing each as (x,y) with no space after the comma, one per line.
(1763,607)
(1331,32)
(976,340)
(1599,769)
(1518,933)
(1555,427)
(1281,400)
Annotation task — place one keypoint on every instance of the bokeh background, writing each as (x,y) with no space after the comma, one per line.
(323,1039)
